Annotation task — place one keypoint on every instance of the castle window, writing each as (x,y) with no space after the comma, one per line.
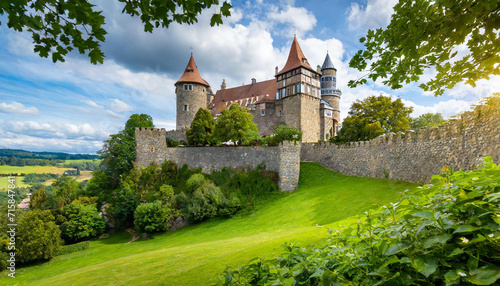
(298,88)
(280,113)
(187,87)
(262,106)
(152,149)
(262,113)
(277,95)
(283,93)
(186,107)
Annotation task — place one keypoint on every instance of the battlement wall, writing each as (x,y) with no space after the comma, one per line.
(414,156)
(151,148)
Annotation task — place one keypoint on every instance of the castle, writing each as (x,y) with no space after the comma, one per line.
(299,96)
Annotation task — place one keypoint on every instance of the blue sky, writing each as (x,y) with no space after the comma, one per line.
(74,106)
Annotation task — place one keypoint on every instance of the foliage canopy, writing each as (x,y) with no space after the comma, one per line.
(202,129)
(374,116)
(59,27)
(433,34)
(236,124)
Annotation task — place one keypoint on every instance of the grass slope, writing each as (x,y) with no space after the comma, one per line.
(196,254)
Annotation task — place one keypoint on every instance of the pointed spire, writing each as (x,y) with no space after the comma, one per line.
(327,64)
(296,59)
(191,74)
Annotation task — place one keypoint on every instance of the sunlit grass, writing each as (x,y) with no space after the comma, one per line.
(196,254)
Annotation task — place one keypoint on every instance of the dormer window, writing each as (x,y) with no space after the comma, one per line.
(304,60)
(189,70)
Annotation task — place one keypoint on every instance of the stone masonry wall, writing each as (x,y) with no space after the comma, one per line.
(414,156)
(285,159)
(177,135)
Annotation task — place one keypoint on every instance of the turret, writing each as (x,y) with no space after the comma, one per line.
(192,94)
(331,96)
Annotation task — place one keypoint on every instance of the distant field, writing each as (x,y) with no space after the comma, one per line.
(33,169)
(75,161)
(4,182)
(85,175)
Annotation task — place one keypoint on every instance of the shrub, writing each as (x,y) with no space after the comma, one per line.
(445,233)
(202,129)
(82,222)
(124,205)
(152,217)
(38,236)
(282,133)
(71,248)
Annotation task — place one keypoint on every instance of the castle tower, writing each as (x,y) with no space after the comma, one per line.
(330,95)
(298,94)
(192,93)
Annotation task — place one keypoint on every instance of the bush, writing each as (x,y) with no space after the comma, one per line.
(123,206)
(445,233)
(152,217)
(71,248)
(82,222)
(282,133)
(202,129)
(38,236)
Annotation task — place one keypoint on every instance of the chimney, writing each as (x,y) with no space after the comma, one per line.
(276,70)
(254,80)
(318,68)
(223,85)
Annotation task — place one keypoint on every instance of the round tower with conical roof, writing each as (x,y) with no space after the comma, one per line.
(191,93)
(330,95)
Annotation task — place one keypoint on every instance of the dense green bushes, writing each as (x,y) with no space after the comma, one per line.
(37,236)
(445,233)
(82,222)
(32,178)
(282,133)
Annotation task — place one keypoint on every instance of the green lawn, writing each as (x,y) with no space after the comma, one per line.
(196,254)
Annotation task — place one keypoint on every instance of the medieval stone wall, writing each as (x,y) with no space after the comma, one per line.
(178,135)
(285,158)
(265,123)
(414,156)
(310,118)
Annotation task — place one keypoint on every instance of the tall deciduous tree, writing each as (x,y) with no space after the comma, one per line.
(202,129)
(59,26)
(118,153)
(373,116)
(433,34)
(427,119)
(236,124)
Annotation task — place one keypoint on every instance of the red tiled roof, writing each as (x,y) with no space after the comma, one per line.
(296,59)
(191,74)
(259,92)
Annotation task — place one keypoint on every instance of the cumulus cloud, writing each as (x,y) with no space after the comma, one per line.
(55,130)
(290,16)
(17,108)
(375,14)
(33,143)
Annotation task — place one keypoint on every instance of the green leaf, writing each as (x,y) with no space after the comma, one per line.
(396,248)
(425,265)
(436,240)
(465,228)
(485,275)
(424,214)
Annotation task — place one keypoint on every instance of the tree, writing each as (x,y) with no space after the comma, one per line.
(66,189)
(429,34)
(236,124)
(283,133)
(202,129)
(38,236)
(427,119)
(82,222)
(154,217)
(373,116)
(59,27)
(118,152)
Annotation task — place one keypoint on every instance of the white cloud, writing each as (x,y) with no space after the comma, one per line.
(92,103)
(297,17)
(17,108)
(120,106)
(375,14)
(446,108)
(55,130)
(33,143)
(113,114)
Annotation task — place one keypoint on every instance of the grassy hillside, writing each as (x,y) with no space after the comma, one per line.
(196,254)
